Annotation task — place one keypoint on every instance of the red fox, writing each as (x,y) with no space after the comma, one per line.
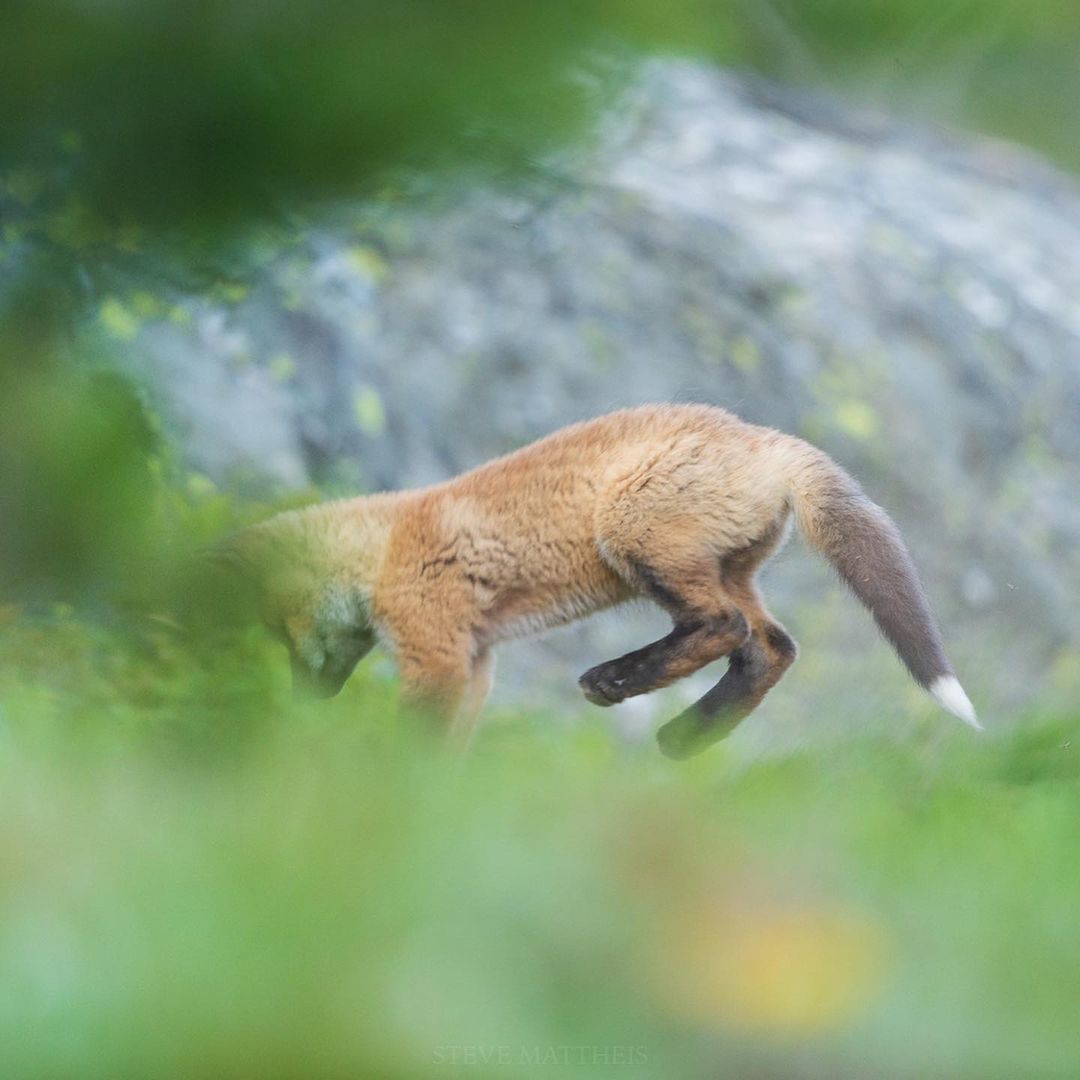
(680,504)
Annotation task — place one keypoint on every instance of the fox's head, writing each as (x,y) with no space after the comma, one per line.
(325,628)
(307,603)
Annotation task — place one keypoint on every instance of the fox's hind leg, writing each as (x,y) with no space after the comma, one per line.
(683,579)
(753,669)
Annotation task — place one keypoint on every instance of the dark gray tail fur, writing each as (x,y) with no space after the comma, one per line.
(865,547)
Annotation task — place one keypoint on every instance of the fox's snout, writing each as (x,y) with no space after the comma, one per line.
(326,683)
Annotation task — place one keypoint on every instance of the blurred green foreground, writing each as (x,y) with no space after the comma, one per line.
(200,878)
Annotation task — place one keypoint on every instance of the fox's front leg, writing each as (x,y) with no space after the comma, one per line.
(448,697)
(433,687)
(464,724)
(437,663)
(424,610)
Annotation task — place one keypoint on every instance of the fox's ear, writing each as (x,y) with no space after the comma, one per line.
(231,571)
(234,565)
(218,584)
(228,556)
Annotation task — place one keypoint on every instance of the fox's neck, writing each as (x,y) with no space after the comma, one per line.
(352,536)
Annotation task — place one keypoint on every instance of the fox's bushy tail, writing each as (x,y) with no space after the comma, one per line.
(860,540)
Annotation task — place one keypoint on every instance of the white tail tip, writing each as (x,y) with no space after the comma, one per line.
(950,695)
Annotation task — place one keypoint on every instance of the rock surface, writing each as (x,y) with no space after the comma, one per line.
(905,299)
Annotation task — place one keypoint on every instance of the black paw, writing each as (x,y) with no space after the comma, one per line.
(602,686)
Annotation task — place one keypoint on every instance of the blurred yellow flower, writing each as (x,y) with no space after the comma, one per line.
(785,972)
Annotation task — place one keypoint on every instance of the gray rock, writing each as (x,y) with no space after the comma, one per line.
(907,300)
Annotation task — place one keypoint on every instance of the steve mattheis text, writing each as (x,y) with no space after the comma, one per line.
(494,1054)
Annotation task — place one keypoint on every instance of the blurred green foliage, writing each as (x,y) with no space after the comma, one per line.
(992,65)
(200,877)
(196,114)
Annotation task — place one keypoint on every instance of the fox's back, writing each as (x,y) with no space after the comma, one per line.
(593,451)
(557,484)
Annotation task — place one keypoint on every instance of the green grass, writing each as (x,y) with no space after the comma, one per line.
(199,877)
